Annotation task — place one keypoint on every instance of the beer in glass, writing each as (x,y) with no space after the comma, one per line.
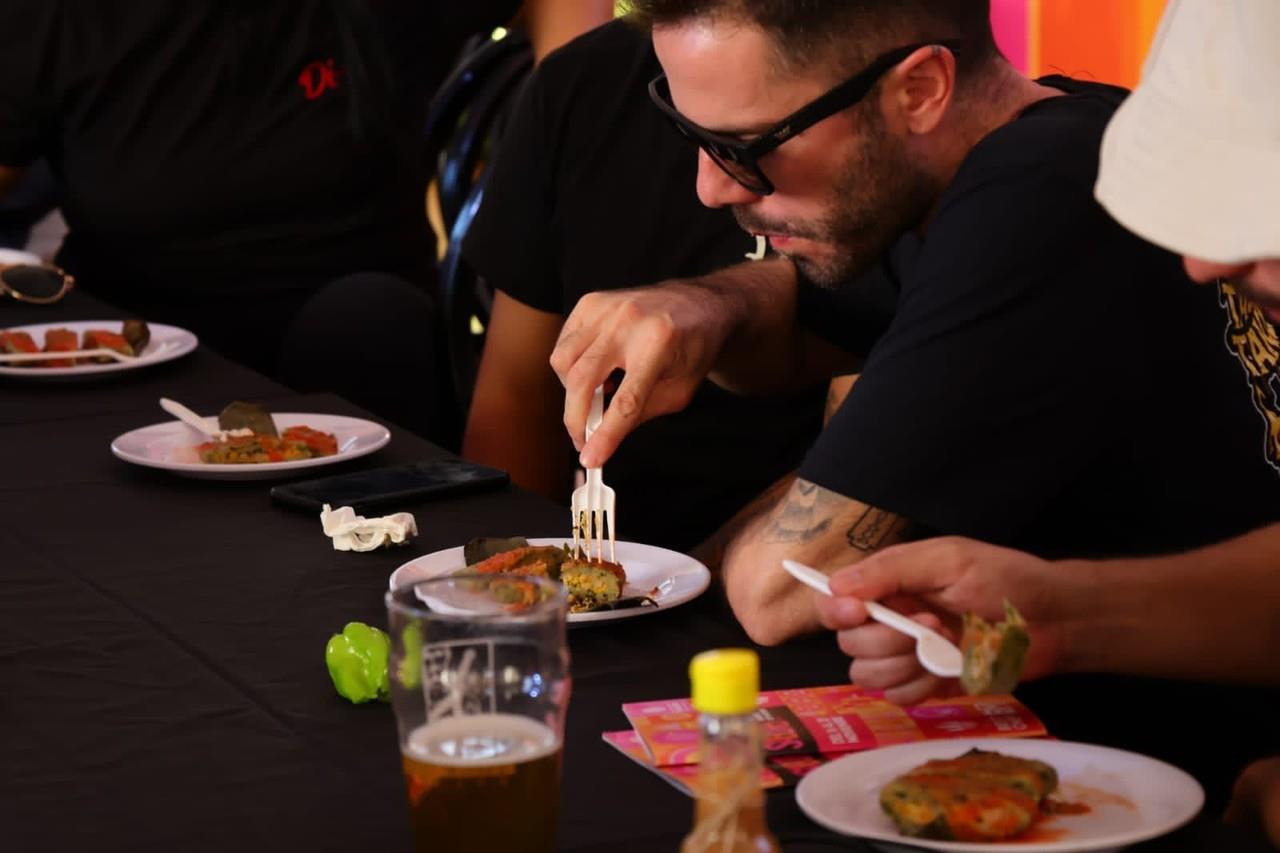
(480,686)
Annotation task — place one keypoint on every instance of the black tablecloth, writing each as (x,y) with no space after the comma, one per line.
(162,684)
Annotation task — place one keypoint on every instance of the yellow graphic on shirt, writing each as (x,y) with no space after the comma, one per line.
(1255,344)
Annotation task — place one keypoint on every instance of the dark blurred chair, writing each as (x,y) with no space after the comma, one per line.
(27,202)
(466,121)
(468,113)
(466,301)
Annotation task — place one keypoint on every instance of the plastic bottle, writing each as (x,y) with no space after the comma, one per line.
(729,815)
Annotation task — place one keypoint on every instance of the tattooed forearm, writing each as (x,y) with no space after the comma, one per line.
(712,551)
(873,529)
(806,513)
(795,512)
(811,524)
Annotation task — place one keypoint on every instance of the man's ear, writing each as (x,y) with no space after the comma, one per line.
(917,93)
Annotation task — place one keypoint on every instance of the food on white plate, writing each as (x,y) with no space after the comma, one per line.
(977,796)
(251,416)
(590,584)
(137,333)
(14,343)
(130,341)
(249,436)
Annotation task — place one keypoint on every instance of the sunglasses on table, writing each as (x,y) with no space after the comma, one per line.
(740,159)
(37,285)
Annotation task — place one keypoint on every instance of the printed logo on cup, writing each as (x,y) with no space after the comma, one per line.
(457,678)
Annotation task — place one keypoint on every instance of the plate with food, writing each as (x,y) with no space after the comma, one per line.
(52,351)
(643,579)
(245,442)
(1033,796)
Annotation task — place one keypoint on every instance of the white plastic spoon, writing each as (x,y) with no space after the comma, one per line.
(935,652)
(188,417)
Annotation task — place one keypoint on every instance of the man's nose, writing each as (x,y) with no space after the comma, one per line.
(716,188)
(1208,271)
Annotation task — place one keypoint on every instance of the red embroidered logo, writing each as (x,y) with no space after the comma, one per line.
(318,77)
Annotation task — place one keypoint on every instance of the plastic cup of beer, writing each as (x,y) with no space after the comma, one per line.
(480,684)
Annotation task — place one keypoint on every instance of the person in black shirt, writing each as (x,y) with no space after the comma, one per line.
(981,410)
(550,229)
(1207,614)
(1046,383)
(222,163)
(1159,186)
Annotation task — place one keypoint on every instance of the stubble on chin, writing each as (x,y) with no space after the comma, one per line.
(825,274)
(844,262)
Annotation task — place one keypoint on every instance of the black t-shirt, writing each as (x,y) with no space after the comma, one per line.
(592,190)
(208,146)
(1053,383)
(1050,381)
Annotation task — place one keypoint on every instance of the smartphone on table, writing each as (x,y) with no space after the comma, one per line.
(392,487)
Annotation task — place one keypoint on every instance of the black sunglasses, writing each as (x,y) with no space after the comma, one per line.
(740,160)
(37,285)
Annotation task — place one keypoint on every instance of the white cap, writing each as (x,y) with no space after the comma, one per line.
(1191,161)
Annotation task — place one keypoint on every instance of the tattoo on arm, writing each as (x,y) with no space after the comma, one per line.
(804,514)
(712,551)
(795,511)
(873,529)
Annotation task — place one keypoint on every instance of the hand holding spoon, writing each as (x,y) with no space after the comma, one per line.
(935,652)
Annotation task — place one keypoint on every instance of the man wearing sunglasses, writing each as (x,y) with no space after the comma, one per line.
(1047,382)
(1191,162)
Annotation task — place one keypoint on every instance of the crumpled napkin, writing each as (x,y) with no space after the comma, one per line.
(351,532)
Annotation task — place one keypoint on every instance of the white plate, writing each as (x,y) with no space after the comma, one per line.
(166,344)
(679,578)
(171,446)
(1131,797)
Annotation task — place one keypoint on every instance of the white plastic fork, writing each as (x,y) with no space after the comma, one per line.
(594,504)
(22,357)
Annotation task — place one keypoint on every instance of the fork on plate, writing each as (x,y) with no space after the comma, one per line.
(594,505)
(22,357)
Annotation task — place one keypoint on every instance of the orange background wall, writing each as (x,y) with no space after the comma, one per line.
(1104,40)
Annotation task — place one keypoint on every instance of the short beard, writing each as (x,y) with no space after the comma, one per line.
(877,196)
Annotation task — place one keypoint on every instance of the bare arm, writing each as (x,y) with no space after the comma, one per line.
(767,350)
(514,422)
(1212,614)
(1255,801)
(739,322)
(801,521)
(836,392)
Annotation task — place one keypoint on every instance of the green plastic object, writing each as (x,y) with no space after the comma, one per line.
(357,661)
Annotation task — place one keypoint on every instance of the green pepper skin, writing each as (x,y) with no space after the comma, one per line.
(409,670)
(357,662)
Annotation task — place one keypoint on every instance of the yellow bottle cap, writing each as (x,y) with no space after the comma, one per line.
(725,681)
